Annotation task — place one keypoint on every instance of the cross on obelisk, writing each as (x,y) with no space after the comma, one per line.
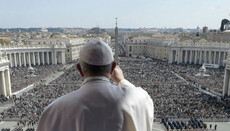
(116,43)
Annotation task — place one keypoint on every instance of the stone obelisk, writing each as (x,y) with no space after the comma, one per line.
(116,43)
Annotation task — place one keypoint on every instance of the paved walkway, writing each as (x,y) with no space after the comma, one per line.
(12,125)
(221,126)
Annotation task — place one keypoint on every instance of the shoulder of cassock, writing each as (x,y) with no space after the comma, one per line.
(137,107)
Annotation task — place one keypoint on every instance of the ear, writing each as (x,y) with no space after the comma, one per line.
(80,70)
(114,64)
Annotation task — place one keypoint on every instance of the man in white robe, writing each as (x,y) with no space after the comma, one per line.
(99,105)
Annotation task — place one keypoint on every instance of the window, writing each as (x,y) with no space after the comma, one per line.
(130,48)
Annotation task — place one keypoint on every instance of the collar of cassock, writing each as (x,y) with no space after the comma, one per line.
(95,78)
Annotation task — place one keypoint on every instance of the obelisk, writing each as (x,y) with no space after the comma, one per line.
(116,43)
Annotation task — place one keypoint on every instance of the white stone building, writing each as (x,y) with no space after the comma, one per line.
(72,45)
(27,55)
(48,41)
(199,53)
(148,47)
(73,48)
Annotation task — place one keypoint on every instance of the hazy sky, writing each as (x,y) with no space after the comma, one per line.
(130,13)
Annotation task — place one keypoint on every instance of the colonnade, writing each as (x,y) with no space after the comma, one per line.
(18,59)
(197,56)
(29,58)
(28,55)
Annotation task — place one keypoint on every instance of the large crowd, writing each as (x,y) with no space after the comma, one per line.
(21,77)
(28,108)
(173,97)
(212,79)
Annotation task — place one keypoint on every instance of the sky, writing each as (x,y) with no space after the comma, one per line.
(102,13)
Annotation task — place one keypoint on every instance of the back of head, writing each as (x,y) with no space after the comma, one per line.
(96,58)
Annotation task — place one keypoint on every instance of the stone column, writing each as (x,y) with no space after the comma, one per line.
(43,58)
(181,56)
(54,57)
(195,57)
(24,59)
(19,59)
(29,60)
(224,58)
(63,57)
(170,56)
(3,84)
(38,58)
(210,57)
(48,58)
(33,58)
(200,61)
(214,57)
(219,58)
(15,60)
(226,83)
(8,83)
(173,56)
(228,87)
(205,57)
(186,56)
(178,56)
(11,60)
(190,60)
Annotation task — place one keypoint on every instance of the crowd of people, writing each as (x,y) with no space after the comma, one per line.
(212,80)
(3,99)
(28,108)
(173,97)
(21,77)
(180,125)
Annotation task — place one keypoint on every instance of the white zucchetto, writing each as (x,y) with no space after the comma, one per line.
(96,53)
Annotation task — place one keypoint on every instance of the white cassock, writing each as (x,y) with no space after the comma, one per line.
(100,106)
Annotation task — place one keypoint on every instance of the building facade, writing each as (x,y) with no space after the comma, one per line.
(74,51)
(199,53)
(48,41)
(148,47)
(27,55)
(73,45)
(175,51)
